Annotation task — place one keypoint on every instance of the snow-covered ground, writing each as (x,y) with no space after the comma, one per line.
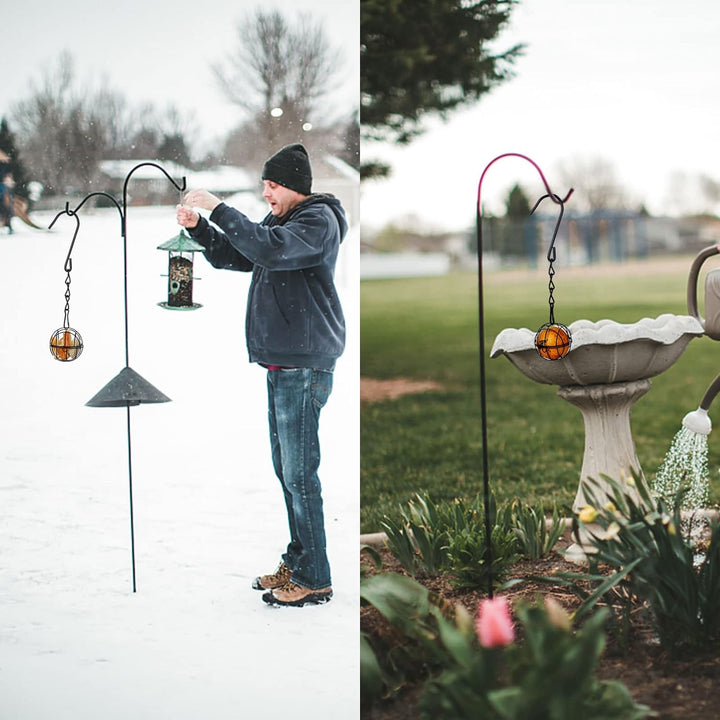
(195,641)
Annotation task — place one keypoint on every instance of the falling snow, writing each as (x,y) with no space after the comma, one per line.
(195,641)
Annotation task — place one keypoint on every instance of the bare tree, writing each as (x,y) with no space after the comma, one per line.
(595,182)
(280,74)
(709,190)
(39,119)
(65,130)
(158,134)
(691,194)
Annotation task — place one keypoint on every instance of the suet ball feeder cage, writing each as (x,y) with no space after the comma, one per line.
(553,341)
(66,344)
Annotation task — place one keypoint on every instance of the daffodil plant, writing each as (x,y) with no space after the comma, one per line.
(639,537)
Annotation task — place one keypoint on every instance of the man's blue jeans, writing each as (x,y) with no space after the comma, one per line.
(295,398)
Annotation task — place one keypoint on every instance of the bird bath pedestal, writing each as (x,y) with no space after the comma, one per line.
(607,370)
(609,445)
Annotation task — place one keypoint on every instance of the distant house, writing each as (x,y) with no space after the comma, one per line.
(149,186)
(224,180)
(332,175)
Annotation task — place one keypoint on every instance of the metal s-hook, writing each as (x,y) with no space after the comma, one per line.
(558,201)
(71,213)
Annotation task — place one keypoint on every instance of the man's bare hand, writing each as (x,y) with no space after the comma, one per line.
(187,217)
(202,199)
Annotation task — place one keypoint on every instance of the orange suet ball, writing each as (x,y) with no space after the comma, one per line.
(552,341)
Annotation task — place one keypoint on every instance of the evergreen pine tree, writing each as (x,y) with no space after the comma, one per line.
(425,57)
(517,204)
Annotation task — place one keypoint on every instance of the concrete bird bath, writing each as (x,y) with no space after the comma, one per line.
(606,371)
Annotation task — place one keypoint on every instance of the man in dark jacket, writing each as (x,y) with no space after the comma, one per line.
(295,328)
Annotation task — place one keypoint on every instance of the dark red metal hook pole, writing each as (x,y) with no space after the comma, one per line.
(555,198)
(481,333)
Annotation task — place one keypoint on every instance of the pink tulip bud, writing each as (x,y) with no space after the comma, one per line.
(494,625)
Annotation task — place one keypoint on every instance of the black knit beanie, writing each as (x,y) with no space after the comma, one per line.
(290,167)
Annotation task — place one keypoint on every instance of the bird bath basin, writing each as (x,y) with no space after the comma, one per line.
(606,371)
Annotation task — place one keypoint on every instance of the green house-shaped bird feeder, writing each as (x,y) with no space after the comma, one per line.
(180,271)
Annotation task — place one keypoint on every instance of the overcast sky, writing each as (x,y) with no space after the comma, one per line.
(157,51)
(637,83)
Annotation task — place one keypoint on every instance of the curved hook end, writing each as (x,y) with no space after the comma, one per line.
(66,211)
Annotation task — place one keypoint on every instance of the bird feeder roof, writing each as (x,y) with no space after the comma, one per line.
(182,242)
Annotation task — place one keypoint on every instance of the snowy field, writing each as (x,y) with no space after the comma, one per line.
(195,641)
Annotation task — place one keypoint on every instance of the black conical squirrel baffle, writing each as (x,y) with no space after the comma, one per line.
(126,389)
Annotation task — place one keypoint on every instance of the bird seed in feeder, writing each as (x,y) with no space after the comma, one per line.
(180,282)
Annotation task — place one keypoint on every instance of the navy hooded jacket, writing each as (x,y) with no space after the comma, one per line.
(294,317)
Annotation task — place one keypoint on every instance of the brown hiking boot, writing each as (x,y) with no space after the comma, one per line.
(293,595)
(274,580)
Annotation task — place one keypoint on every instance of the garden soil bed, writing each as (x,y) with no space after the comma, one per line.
(675,687)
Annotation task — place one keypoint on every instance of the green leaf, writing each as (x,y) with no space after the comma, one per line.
(372,678)
(507,702)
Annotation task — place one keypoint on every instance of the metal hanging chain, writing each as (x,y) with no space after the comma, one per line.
(66,317)
(552,255)
(551,287)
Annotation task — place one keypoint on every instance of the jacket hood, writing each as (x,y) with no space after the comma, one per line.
(315,199)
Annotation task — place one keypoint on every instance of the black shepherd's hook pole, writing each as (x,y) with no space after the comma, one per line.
(122,209)
(481,334)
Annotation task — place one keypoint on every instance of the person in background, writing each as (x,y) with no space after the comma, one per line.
(6,191)
(295,328)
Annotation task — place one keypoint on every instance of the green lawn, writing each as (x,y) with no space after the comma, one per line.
(427,329)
